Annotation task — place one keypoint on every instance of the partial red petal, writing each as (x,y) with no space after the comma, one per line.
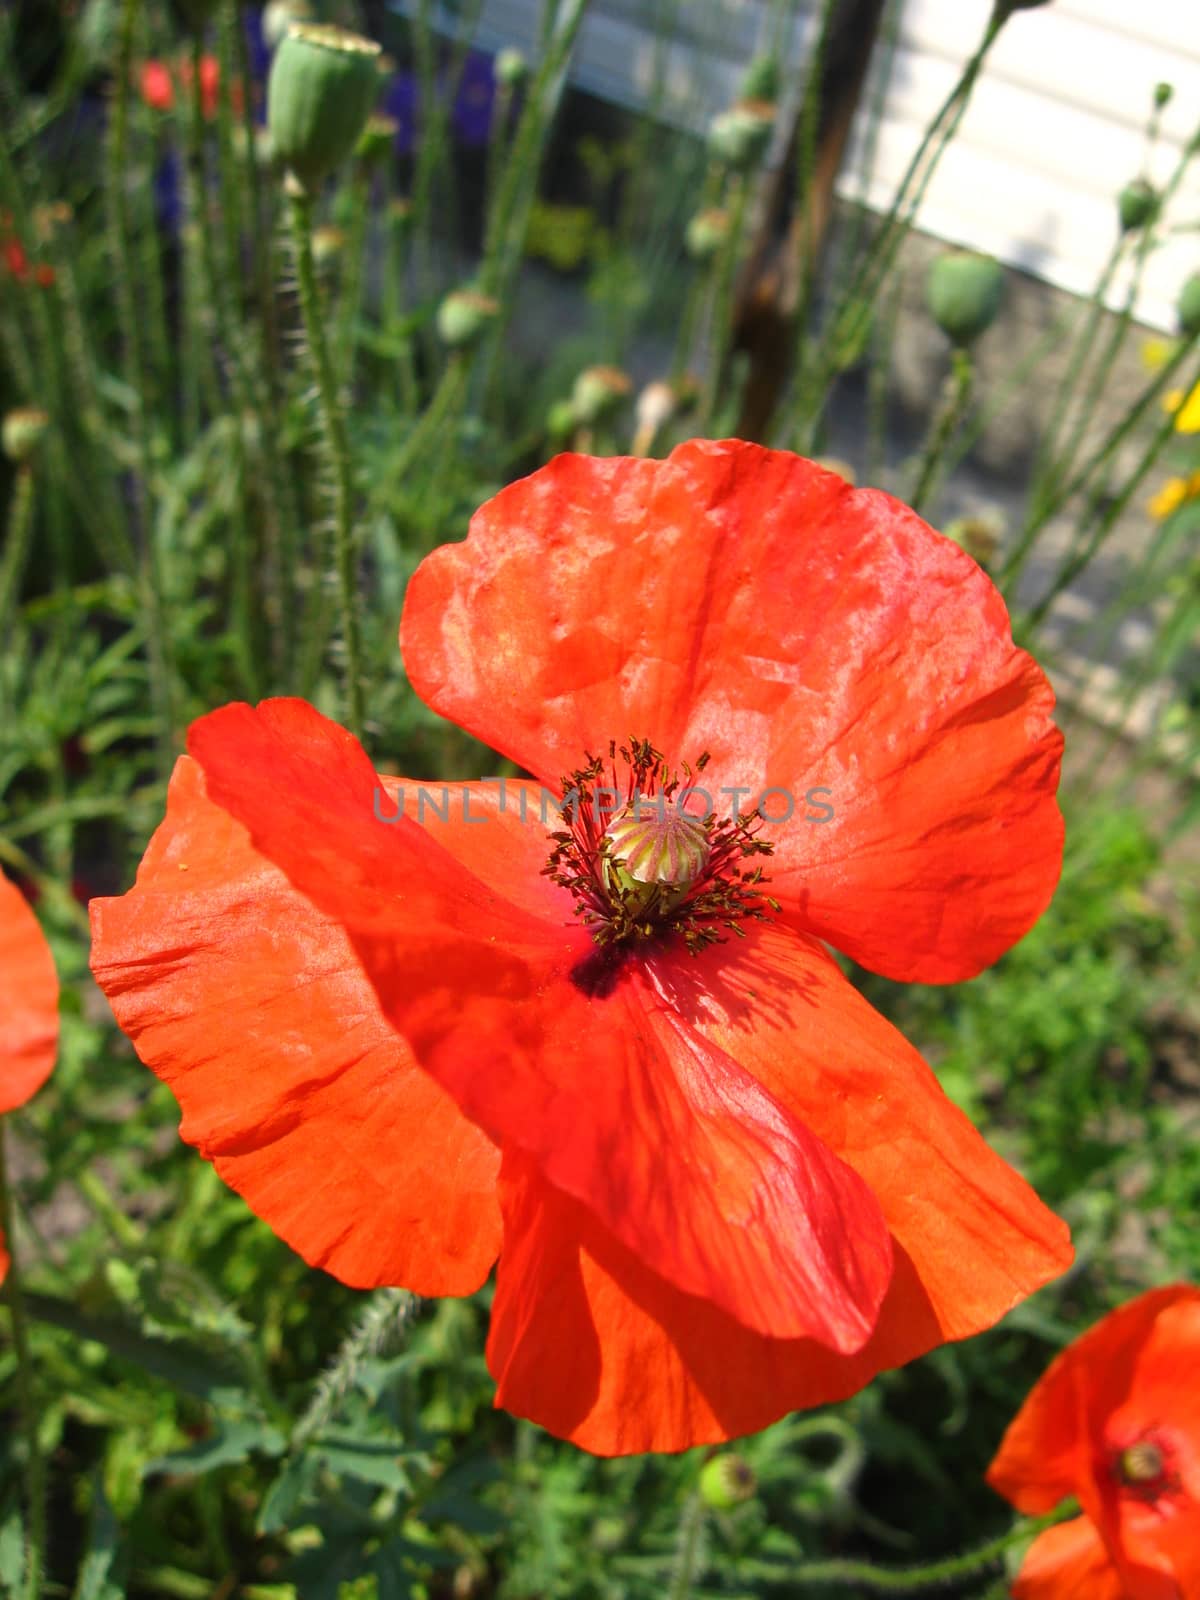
(589,1343)
(5,1258)
(978,1237)
(1068,1562)
(1148,1391)
(28,1001)
(685,1157)
(252,1006)
(1058,1435)
(811,638)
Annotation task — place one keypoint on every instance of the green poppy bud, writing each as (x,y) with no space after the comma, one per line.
(727,1481)
(320,93)
(463,315)
(1137,204)
(560,420)
(761,80)
(510,68)
(1162,95)
(706,233)
(597,391)
(740,136)
(23,430)
(1189,306)
(963,293)
(377,140)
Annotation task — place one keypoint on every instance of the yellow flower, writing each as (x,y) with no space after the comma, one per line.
(1156,353)
(1174,493)
(1185,407)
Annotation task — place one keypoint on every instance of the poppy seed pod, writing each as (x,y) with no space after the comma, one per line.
(761,80)
(23,430)
(463,315)
(706,233)
(740,136)
(597,391)
(1137,204)
(1189,306)
(963,294)
(727,1481)
(320,93)
(377,140)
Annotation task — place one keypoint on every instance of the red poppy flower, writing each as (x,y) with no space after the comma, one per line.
(722,1187)
(157,89)
(28,1008)
(15,259)
(1115,1421)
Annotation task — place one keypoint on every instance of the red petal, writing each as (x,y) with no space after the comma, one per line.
(978,1237)
(1048,1449)
(5,1258)
(809,636)
(252,1006)
(681,1154)
(1068,1562)
(28,1001)
(589,1343)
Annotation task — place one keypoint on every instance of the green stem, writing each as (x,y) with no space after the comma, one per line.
(1104,453)
(16,543)
(856,304)
(689,1543)
(379,1330)
(337,448)
(905,1580)
(722,315)
(955,400)
(1084,547)
(121,251)
(447,398)
(35,1554)
(229,342)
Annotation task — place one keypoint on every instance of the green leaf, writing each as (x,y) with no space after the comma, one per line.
(232,1441)
(290,1490)
(100,1577)
(199,1372)
(12,1553)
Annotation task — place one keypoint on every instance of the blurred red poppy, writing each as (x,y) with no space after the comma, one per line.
(722,1187)
(1115,1422)
(15,259)
(158,89)
(28,1008)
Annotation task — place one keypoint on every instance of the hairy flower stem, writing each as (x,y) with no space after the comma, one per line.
(121,251)
(228,342)
(35,1475)
(16,543)
(722,315)
(956,397)
(336,447)
(855,306)
(688,1561)
(1099,459)
(378,1331)
(909,1579)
